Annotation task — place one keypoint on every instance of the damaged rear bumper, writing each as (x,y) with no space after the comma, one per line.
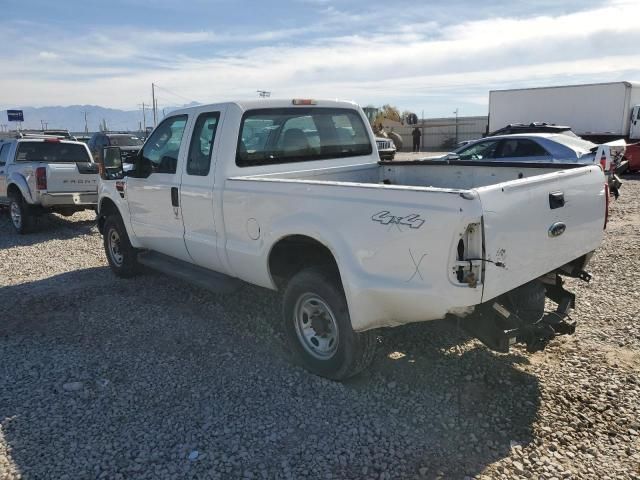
(499,327)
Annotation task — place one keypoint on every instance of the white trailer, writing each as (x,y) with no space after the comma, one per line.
(598,111)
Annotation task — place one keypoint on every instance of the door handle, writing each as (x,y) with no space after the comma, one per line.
(174,197)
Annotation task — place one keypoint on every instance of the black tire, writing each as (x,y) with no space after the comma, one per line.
(527,301)
(353,351)
(122,257)
(22,217)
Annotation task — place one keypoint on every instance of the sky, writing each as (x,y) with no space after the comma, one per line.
(423,56)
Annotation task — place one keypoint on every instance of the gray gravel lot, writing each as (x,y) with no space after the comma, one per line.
(152,378)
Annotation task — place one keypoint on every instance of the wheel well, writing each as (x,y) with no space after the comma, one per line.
(297,252)
(12,190)
(107,207)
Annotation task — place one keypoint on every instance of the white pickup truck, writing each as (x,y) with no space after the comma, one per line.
(291,195)
(46,174)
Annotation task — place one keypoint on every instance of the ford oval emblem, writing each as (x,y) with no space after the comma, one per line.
(557,229)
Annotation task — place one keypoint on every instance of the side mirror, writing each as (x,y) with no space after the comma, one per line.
(453,156)
(112,164)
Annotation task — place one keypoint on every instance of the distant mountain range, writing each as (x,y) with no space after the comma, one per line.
(72,118)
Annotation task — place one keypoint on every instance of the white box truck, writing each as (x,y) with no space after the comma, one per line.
(599,112)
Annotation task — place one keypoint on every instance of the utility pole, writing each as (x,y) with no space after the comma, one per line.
(144,119)
(86,125)
(155,105)
(456,112)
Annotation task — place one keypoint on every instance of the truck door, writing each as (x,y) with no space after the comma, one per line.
(634,129)
(4,157)
(153,190)
(197,197)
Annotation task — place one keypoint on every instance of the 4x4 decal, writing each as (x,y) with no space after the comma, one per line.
(413,220)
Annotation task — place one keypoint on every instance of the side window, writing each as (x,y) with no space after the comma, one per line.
(4,153)
(479,151)
(160,153)
(201,147)
(519,148)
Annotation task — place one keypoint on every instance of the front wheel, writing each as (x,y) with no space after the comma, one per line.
(318,327)
(122,257)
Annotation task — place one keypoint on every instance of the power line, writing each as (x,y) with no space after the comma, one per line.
(190,100)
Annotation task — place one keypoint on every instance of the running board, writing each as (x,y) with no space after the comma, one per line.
(198,276)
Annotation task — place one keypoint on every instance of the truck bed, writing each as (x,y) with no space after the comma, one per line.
(412,228)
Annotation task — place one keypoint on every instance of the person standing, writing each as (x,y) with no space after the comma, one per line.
(416,134)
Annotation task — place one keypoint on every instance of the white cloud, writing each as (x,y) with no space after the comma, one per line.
(48,55)
(411,64)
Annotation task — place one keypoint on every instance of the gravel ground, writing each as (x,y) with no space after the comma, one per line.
(152,378)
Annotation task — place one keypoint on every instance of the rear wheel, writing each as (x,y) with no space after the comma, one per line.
(122,257)
(21,216)
(318,327)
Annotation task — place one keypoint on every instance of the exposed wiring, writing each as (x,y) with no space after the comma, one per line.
(497,264)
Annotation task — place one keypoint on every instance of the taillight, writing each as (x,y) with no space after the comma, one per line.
(603,162)
(41,178)
(606,204)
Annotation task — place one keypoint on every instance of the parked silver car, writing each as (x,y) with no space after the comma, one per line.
(531,147)
(545,149)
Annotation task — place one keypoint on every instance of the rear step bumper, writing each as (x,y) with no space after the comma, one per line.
(498,327)
(88,199)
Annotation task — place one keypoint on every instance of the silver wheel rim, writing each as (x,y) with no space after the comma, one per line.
(113,242)
(316,326)
(16,216)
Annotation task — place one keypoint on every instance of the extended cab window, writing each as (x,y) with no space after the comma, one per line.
(281,135)
(51,151)
(201,147)
(160,153)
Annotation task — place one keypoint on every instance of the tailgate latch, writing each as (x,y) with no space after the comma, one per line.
(556,200)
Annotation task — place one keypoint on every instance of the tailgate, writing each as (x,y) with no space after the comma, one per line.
(537,224)
(71,177)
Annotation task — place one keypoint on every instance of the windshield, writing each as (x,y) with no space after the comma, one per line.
(124,141)
(52,152)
